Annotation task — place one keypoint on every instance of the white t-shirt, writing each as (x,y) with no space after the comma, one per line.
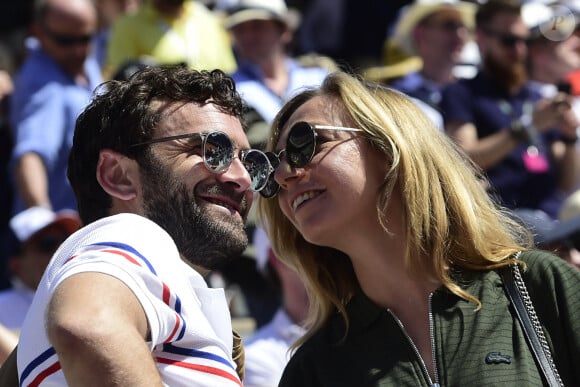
(267,351)
(191,333)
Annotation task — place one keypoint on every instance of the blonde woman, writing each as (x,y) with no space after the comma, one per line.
(400,246)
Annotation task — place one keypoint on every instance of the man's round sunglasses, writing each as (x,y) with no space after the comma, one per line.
(299,151)
(218,152)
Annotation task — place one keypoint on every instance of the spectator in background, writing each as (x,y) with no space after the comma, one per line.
(6,186)
(524,143)
(52,87)
(171,32)
(554,53)
(266,76)
(268,350)
(108,11)
(39,232)
(436,31)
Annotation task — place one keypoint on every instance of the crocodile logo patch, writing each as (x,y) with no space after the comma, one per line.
(497,358)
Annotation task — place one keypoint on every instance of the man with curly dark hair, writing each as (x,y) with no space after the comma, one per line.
(164,178)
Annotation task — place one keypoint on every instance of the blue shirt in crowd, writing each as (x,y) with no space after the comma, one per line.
(514,183)
(45,104)
(257,95)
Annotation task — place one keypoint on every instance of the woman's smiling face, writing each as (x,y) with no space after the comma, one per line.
(339,187)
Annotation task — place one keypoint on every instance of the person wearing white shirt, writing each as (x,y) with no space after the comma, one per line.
(38,232)
(268,349)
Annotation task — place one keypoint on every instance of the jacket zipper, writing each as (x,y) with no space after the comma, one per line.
(416,350)
(432,338)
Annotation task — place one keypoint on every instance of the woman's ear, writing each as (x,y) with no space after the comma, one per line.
(118,175)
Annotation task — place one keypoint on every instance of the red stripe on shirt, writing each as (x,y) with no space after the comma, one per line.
(166,293)
(174,329)
(44,374)
(70,259)
(124,255)
(201,368)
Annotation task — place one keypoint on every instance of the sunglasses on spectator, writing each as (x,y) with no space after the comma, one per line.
(66,40)
(507,40)
(218,152)
(299,151)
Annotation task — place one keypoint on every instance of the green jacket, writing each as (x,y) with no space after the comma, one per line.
(472,348)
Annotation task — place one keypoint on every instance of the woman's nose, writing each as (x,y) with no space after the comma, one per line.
(285,173)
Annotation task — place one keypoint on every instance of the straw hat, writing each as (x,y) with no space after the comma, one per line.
(396,64)
(414,13)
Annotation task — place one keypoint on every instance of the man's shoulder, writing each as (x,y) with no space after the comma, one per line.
(36,71)
(128,230)
(132,224)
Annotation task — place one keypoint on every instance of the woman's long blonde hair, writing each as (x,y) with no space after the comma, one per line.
(449,216)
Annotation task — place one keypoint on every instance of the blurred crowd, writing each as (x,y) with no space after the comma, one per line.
(504,84)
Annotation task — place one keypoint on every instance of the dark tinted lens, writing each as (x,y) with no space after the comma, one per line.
(69,40)
(271,188)
(258,167)
(511,40)
(300,145)
(508,41)
(218,152)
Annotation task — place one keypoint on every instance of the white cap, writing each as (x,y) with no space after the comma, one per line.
(35,219)
(241,11)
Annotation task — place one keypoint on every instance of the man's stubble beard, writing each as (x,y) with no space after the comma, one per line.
(203,240)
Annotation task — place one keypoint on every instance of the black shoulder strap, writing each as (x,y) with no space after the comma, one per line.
(522,312)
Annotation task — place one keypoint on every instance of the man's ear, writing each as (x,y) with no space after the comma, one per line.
(118,175)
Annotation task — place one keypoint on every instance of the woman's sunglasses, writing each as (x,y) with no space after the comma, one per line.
(218,152)
(299,151)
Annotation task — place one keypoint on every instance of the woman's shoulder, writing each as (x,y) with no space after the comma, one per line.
(553,283)
(543,266)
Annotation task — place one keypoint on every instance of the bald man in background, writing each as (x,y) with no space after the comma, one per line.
(51,88)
